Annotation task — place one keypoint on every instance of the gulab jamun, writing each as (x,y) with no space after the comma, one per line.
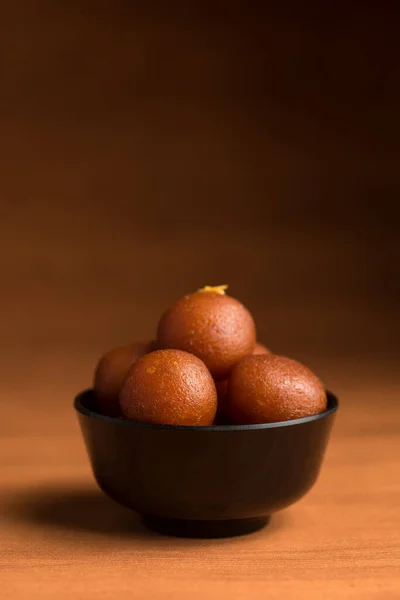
(215,327)
(169,387)
(269,388)
(111,373)
(260,349)
(222,384)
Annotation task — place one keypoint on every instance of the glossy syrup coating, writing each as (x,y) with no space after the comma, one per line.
(169,387)
(215,327)
(111,372)
(269,388)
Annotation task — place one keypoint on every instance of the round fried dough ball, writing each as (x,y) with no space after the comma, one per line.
(269,388)
(169,387)
(260,349)
(216,328)
(222,384)
(111,373)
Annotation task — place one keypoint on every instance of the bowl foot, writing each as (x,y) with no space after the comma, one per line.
(204,529)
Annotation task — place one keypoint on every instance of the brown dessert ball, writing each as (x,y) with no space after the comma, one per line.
(270,388)
(169,387)
(261,349)
(111,373)
(222,384)
(217,328)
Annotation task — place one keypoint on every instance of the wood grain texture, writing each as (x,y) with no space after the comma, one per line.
(61,537)
(147,153)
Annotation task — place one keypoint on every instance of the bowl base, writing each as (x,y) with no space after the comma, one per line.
(204,529)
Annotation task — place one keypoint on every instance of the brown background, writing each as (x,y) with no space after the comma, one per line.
(146,152)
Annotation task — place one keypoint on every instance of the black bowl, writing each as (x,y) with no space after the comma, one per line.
(204,481)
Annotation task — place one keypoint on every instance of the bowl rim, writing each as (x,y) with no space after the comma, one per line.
(333,405)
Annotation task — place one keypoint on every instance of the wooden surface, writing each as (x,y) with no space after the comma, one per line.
(144,155)
(61,538)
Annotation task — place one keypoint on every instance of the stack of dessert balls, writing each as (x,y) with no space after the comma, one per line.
(205,368)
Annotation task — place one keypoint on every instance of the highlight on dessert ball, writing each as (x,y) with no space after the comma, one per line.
(205,368)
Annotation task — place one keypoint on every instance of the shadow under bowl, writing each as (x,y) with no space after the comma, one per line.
(204,481)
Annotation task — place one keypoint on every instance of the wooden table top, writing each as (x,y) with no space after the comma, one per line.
(60,537)
(146,153)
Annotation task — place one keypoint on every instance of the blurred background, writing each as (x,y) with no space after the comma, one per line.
(150,148)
